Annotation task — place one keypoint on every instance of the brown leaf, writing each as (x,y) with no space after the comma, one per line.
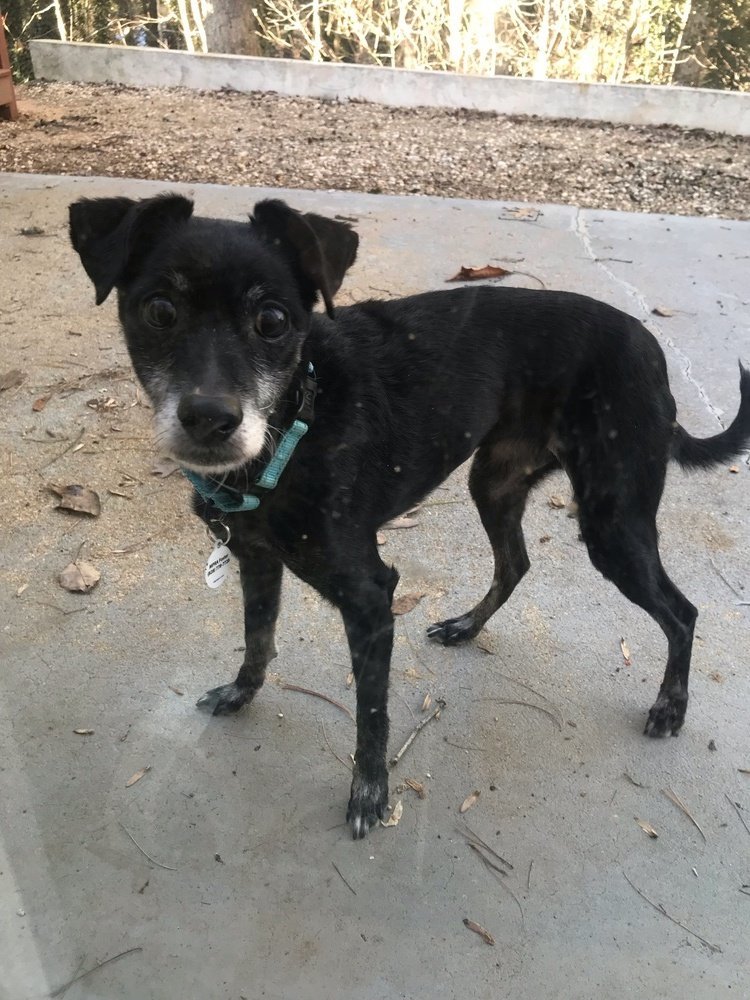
(395,817)
(646,827)
(480,273)
(556,502)
(12,379)
(80,499)
(416,786)
(662,311)
(625,649)
(478,929)
(137,776)
(163,467)
(470,801)
(79,576)
(84,732)
(38,405)
(406,602)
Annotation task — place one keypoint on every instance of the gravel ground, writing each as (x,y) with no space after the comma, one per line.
(267,140)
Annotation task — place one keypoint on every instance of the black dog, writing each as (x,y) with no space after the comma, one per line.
(219,325)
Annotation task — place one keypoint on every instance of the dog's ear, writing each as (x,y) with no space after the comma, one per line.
(109,233)
(322,249)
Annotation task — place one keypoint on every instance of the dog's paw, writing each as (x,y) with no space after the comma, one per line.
(667,715)
(367,802)
(224,700)
(454,630)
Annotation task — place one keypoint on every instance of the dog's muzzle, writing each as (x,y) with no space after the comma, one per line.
(209,419)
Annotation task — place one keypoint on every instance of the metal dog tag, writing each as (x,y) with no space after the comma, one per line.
(218,565)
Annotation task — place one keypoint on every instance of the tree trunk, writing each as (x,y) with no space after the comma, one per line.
(231,28)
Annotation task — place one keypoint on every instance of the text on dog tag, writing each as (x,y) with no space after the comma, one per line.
(217,567)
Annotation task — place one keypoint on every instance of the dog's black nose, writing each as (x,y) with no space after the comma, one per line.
(209,418)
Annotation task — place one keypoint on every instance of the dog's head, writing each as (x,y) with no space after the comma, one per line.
(214,312)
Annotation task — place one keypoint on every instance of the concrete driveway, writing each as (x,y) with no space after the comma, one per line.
(253,888)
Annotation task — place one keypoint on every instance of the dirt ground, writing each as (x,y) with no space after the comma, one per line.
(268,140)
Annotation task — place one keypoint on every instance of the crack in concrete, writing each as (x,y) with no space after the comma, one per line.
(632,292)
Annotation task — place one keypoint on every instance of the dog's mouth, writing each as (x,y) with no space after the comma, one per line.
(210,454)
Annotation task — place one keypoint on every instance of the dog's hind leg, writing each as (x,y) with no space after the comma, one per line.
(499,484)
(624,548)
(260,573)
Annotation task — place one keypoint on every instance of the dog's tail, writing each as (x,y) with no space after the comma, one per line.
(702,453)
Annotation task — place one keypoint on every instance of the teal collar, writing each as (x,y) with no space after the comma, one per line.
(231,501)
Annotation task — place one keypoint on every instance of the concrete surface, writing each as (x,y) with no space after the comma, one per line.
(627,104)
(248,813)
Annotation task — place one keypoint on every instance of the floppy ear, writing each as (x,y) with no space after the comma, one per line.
(322,250)
(107,233)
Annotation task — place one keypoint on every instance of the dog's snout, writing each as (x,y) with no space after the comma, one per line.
(209,418)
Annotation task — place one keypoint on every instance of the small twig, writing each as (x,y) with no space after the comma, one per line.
(660,909)
(416,731)
(494,868)
(338,870)
(406,703)
(737,593)
(317,694)
(528,274)
(65,450)
(531,690)
(107,961)
(528,876)
(158,863)
(341,760)
(681,805)
(528,704)
(738,811)
(458,746)
(472,837)
(490,864)
(62,990)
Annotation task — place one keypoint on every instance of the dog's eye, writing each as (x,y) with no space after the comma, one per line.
(271,322)
(159,313)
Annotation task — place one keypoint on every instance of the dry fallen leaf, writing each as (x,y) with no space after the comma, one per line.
(406,602)
(381,538)
(80,499)
(12,379)
(137,776)
(478,929)
(176,690)
(480,273)
(625,652)
(416,786)
(79,576)
(662,311)
(646,827)
(470,801)
(38,405)
(734,468)
(556,502)
(84,732)
(396,813)
(349,679)
(427,702)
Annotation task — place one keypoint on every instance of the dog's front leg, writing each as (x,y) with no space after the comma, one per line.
(366,609)
(260,573)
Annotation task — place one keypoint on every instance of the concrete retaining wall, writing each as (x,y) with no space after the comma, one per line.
(627,104)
